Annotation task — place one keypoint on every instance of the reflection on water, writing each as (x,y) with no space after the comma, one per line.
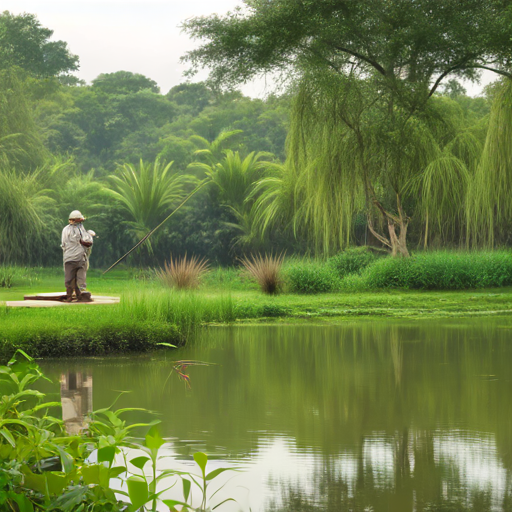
(76,398)
(360,417)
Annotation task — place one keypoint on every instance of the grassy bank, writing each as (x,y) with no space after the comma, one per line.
(150,314)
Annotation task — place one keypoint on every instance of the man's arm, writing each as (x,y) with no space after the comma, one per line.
(65,237)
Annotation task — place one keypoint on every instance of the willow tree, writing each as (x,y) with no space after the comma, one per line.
(402,50)
(489,205)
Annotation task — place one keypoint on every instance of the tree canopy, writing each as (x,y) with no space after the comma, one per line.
(25,43)
(402,41)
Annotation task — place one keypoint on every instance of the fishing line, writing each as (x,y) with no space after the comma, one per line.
(142,240)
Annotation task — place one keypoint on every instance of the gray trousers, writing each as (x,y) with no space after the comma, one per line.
(74,276)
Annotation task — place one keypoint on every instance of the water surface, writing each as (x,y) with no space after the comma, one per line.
(361,417)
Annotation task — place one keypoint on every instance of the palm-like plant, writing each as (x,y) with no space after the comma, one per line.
(235,179)
(213,152)
(148,192)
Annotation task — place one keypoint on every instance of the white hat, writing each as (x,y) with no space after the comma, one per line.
(75,214)
(91,232)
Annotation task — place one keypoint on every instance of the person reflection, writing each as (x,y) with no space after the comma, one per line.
(76,398)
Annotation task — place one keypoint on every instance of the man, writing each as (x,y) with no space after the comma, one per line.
(76,242)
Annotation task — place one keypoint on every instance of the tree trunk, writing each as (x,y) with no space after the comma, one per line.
(397,243)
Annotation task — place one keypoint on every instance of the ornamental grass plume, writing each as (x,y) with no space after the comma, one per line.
(183,273)
(266,270)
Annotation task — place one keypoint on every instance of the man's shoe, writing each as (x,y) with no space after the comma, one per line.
(84,297)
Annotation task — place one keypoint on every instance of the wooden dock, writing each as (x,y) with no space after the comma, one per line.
(49,300)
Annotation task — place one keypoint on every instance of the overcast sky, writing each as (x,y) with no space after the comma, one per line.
(141,36)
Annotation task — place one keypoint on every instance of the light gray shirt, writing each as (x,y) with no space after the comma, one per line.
(73,249)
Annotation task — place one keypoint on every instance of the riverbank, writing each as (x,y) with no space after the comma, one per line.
(149,314)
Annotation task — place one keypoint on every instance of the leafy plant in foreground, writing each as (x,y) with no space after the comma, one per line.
(44,469)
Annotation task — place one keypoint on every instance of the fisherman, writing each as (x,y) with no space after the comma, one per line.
(76,244)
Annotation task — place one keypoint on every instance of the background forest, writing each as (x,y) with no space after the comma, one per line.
(125,154)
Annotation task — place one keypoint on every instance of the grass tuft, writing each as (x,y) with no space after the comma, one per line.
(183,273)
(266,270)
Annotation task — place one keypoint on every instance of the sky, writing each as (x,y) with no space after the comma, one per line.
(141,36)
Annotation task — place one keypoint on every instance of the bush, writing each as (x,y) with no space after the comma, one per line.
(442,271)
(352,261)
(309,277)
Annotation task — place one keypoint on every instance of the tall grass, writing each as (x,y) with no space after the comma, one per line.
(441,270)
(143,318)
(310,276)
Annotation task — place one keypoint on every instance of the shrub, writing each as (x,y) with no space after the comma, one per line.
(266,270)
(442,271)
(183,273)
(352,261)
(311,277)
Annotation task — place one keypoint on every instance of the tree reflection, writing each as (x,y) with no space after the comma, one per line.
(433,486)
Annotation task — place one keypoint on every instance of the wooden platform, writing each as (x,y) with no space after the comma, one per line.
(48,300)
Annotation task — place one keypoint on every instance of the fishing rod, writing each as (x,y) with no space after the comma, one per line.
(143,239)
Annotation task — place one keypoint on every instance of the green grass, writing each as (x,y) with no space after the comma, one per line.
(149,313)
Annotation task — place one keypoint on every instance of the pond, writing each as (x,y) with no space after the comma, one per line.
(368,416)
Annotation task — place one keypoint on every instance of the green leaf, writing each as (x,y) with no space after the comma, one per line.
(201,460)
(139,462)
(222,502)
(8,436)
(216,472)
(32,481)
(68,463)
(153,438)
(116,471)
(167,345)
(138,491)
(56,482)
(107,454)
(24,504)
(96,474)
(172,503)
(187,484)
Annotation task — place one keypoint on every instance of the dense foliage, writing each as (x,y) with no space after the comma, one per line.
(366,152)
(366,132)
